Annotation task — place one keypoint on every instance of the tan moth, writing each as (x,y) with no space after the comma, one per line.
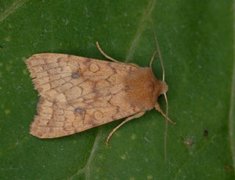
(79,93)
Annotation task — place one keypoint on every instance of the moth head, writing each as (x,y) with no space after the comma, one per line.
(160,88)
(163,87)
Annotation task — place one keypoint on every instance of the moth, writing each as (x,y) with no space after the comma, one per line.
(79,93)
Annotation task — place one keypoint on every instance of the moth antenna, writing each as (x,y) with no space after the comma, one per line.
(165,115)
(165,97)
(160,57)
(163,71)
(104,54)
(166,128)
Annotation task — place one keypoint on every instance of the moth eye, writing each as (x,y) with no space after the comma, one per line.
(75,75)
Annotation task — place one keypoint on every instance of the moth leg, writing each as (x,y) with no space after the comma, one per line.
(110,58)
(104,54)
(122,123)
(158,108)
(152,59)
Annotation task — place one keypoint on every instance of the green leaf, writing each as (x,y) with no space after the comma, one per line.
(196,41)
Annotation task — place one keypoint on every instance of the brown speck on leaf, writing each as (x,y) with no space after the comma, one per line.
(188,141)
(205,133)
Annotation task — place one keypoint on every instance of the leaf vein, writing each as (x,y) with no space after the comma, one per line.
(15,5)
(141,27)
(87,167)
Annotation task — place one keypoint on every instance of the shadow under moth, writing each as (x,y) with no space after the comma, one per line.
(79,93)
